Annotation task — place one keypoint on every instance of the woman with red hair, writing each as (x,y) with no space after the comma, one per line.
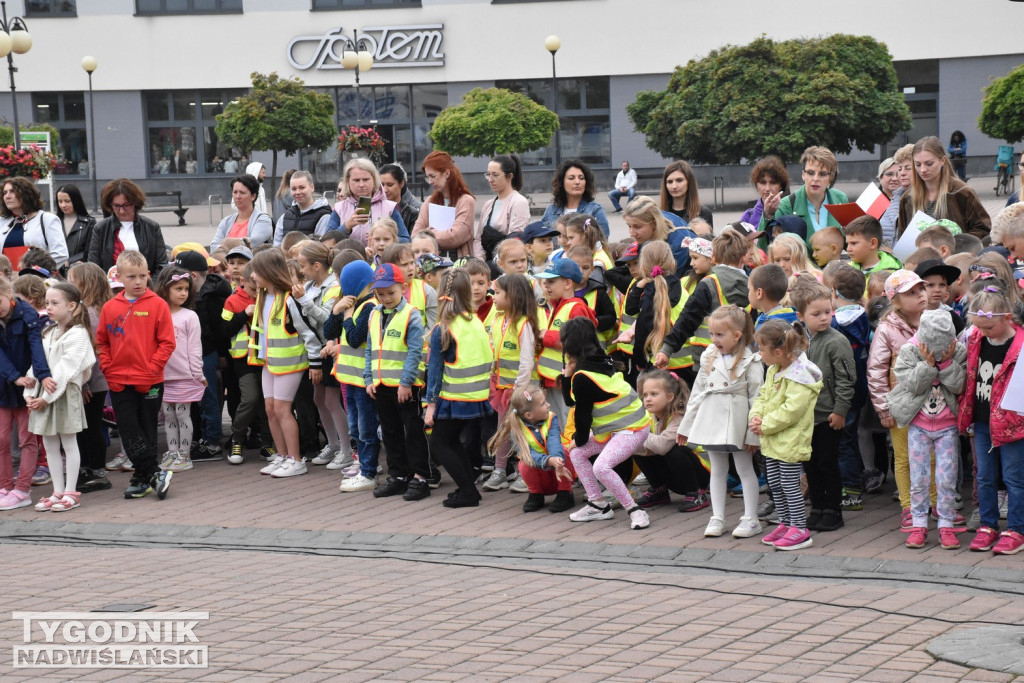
(461,239)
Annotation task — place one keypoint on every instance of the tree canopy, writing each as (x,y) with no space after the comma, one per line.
(743,102)
(493,121)
(1002,107)
(278,114)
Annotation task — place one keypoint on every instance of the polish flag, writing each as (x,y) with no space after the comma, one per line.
(872,201)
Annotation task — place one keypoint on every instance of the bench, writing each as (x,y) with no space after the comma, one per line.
(179,211)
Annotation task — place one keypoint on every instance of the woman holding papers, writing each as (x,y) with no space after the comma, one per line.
(937,192)
(809,201)
(450,210)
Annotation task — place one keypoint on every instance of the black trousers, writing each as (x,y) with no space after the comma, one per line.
(824,481)
(91,443)
(136,424)
(308,417)
(679,469)
(454,456)
(401,425)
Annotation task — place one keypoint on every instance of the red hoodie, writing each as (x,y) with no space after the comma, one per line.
(134,341)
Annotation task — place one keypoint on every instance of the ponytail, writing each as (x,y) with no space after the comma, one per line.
(775,334)
(456,300)
(656,261)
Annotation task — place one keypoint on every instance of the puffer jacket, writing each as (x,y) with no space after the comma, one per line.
(892,333)
(786,406)
(1006,426)
(915,379)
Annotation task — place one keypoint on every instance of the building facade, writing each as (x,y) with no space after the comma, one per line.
(166,68)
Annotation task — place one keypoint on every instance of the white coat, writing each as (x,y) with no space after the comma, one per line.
(717,412)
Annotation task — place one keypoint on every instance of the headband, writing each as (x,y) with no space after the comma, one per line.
(990,314)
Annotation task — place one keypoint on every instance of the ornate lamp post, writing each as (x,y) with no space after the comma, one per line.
(357,58)
(14,38)
(553,43)
(89,64)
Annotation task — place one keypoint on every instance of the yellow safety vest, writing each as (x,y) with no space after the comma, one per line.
(606,338)
(626,321)
(488,320)
(349,364)
(505,339)
(622,412)
(531,438)
(681,358)
(418,300)
(240,342)
(469,377)
(390,349)
(549,363)
(601,257)
(286,352)
(701,339)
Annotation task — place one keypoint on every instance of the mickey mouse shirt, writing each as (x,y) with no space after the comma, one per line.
(990,360)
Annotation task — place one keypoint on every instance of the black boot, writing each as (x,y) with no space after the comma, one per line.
(564,500)
(814,519)
(831,520)
(534,502)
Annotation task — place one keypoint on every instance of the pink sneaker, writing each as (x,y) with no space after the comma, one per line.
(15,499)
(775,535)
(906,520)
(917,537)
(948,539)
(1010,543)
(795,539)
(984,539)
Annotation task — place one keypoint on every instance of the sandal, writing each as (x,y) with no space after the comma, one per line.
(69,501)
(46,504)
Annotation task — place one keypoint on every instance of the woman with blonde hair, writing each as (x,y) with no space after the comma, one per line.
(808,202)
(904,165)
(361,179)
(936,191)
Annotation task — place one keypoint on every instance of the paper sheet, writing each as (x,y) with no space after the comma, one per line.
(904,247)
(440,217)
(1013,399)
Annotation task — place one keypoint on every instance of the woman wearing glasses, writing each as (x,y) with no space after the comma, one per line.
(508,211)
(360,180)
(125,228)
(809,201)
(249,221)
(936,191)
(460,238)
(904,168)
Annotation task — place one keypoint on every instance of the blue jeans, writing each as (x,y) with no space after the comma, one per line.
(615,195)
(362,426)
(210,405)
(1010,462)
(851,466)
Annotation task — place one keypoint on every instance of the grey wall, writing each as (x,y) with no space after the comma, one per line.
(627,144)
(121,140)
(960,92)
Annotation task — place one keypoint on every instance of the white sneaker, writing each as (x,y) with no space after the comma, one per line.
(166,459)
(591,512)
(180,463)
(120,462)
(273,465)
(357,483)
(716,527)
(290,468)
(325,456)
(638,519)
(340,461)
(640,481)
(746,528)
(518,486)
(496,481)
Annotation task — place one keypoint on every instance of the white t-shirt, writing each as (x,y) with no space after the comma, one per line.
(127,236)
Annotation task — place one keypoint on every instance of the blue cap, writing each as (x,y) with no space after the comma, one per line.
(536,230)
(355,277)
(562,267)
(387,275)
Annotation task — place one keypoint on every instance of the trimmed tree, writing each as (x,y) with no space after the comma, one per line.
(743,102)
(1002,107)
(493,121)
(278,114)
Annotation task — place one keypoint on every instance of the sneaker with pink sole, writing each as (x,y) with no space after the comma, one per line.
(775,535)
(1009,543)
(795,539)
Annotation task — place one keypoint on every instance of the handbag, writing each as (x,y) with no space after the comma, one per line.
(490,237)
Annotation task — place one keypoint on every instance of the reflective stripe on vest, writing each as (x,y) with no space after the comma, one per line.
(701,339)
(240,342)
(390,350)
(505,339)
(549,364)
(681,358)
(286,352)
(626,321)
(531,438)
(622,412)
(469,377)
(350,363)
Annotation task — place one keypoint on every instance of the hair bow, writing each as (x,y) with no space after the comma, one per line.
(992,290)
(990,314)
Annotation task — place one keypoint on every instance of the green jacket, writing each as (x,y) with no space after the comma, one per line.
(831,352)
(886,261)
(797,203)
(786,406)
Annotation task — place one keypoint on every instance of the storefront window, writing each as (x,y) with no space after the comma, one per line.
(51,8)
(66,113)
(362,4)
(187,6)
(182,128)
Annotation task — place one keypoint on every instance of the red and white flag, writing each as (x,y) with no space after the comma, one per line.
(872,201)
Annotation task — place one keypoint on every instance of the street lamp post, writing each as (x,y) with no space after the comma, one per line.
(89,64)
(552,43)
(14,38)
(356,57)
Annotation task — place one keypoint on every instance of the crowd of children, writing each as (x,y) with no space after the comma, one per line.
(706,367)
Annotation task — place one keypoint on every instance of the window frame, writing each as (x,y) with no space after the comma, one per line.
(53,14)
(191,11)
(63,124)
(198,122)
(369,5)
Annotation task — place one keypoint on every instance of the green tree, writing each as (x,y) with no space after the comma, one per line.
(7,133)
(278,114)
(1002,107)
(743,102)
(493,121)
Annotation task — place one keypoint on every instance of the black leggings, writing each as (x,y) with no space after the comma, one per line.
(91,443)
(679,469)
(446,445)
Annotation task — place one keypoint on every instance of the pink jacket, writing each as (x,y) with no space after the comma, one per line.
(892,333)
(511,216)
(463,238)
(186,363)
(1006,426)
(380,207)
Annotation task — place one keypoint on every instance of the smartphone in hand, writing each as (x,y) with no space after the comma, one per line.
(364,205)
